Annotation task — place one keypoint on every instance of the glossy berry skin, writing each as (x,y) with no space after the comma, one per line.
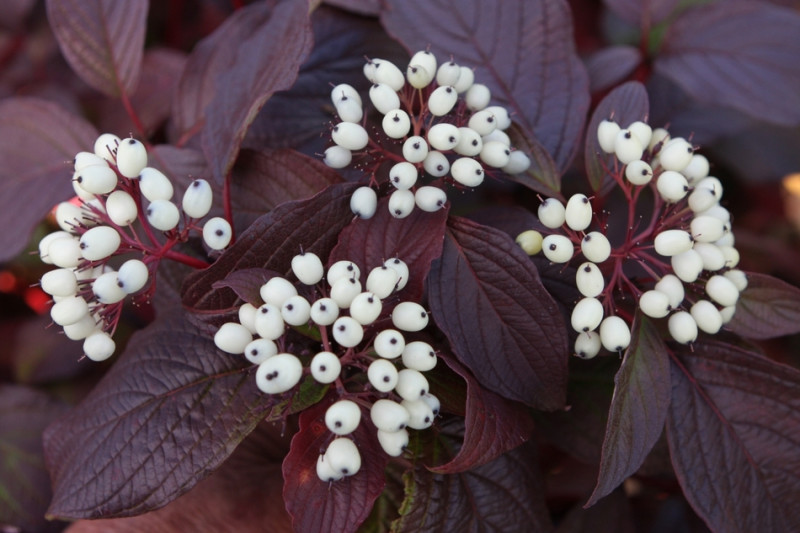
(307,267)
(276,291)
(366,308)
(614,334)
(325,367)
(197,199)
(259,350)
(557,248)
(418,355)
(324,312)
(393,442)
(389,344)
(578,213)
(411,384)
(552,213)
(343,417)
(347,332)
(279,373)
(217,233)
(232,338)
(388,415)
(364,202)
(409,316)
(131,157)
(343,456)
(382,375)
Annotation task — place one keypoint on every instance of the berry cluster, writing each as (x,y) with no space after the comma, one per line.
(382,368)
(681,264)
(112,184)
(436,122)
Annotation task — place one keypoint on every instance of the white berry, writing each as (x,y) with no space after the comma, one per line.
(268,322)
(382,375)
(277,290)
(99,243)
(197,199)
(308,268)
(587,344)
(217,233)
(419,355)
(232,338)
(388,415)
(347,332)
(587,314)
(557,248)
(259,350)
(364,202)
(279,373)
(614,334)
(154,185)
(343,417)
(296,311)
(682,327)
(99,346)
(389,344)
(131,157)
(366,308)
(467,171)
(552,213)
(163,215)
(589,280)
(324,312)
(409,316)
(325,367)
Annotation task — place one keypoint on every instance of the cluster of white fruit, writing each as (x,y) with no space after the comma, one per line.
(439,117)
(109,184)
(394,366)
(699,287)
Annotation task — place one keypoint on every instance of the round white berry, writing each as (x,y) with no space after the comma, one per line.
(418,77)
(387,72)
(672,186)
(154,185)
(259,350)
(69,310)
(247,316)
(389,344)
(578,213)
(106,146)
(687,265)
(324,312)
(470,143)
(587,314)
(396,124)
(448,73)
(660,137)
(707,228)
(388,415)
(483,122)
(344,291)
(347,332)
(197,199)
(232,338)
(738,278)
(713,258)
(399,266)
(409,316)
(411,384)
(384,98)
(106,289)
(466,77)
(614,334)
(65,252)
(343,269)
(415,149)
(343,417)
(131,157)
(99,346)
(420,414)
(495,154)
(279,373)
(344,92)
(444,136)
(642,131)
(337,157)
(342,454)
(418,355)
(501,115)
(707,316)
(638,172)
(436,164)
(308,268)
(99,243)
(627,147)
(296,311)
(429,198)
(557,248)
(676,154)
(530,241)
(325,367)
(60,282)
(366,308)
(96,179)
(595,247)
(364,202)
(518,162)
(607,132)
(589,280)
(349,111)
(68,216)
(672,286)
(121,208)
(702,199)
(478,97)
(727,313)
(722,290)
(697,168)
(403,175)
(393,442)
(350,136)
(276,291)
(382,375)
(268,322)
(682,327)
(467,171)
(82,328)
(442,100)
(217,233)
(655,303)
(587,344)
(672,242)
(47,240)
(85,159)
(711,184)
(325,472)
(433,402)
(382,281)
(163,215)
(552,213)
(425,59)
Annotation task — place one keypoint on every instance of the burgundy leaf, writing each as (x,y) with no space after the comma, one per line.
(317,506)
(487,298)
(265,62)
(38,140)
(642,14)
(502,495)
(733,435)
(271,242)
(14,13)
(102,40)
(611,65)
(24,482)
(152,98)
(416,239)
(612,514)
(169,411)
(741,54)
(638,408)
(246,283)
(267,178)
(493,426)
(625,104)
(296,118)
(364,7)
(523,51)
(182,166)
(767,308)
(210,58)
(542,176)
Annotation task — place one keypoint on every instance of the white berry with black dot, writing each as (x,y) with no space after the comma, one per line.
(325,367)
(279,373)
(409,316)
(343,417)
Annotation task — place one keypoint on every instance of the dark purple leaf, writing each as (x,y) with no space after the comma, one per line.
(267,178)
(625,104)
(14,13)
(523,51)
(320,507)
(246,283)
(152,98)
(767,308)
(364,7)
(542,176)
(182,166)
(169,411)
(506,494)
(733,436)
(265,62)
(271,242)
(644,14)
(493,426)
(638,408)
(38,140)
(24,482)
(740,54)
(416,239)
(102,40)
(210,58)
(487,298)
(299,117)
(611,65)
